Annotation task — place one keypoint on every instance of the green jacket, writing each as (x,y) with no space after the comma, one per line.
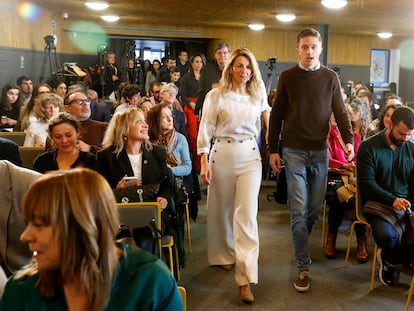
(142,282)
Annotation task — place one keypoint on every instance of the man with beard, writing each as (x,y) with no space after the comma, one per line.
(385,168)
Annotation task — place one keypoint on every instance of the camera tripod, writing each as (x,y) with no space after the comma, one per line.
(49,58)
(271,64)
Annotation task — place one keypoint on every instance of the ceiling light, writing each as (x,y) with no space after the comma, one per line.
(384,35)
(286,17)
(110,18)
(256,26)
(334,4)
(97,5)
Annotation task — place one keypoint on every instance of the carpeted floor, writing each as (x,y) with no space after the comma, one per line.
(333,287)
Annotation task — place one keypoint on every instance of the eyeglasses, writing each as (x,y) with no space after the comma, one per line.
(80,101)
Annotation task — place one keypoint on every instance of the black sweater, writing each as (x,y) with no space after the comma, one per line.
(302,108)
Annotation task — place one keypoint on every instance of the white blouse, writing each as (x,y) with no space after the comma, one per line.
(136,164)
(230,115)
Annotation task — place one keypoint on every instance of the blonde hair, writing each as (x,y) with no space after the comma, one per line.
(118,126)
(46,99)
(254,85)
(80,207)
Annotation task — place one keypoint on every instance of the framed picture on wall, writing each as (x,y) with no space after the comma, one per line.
(380,67)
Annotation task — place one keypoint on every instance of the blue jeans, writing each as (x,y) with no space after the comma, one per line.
(306,176)
(395,249)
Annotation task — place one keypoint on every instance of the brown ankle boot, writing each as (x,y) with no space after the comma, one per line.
(330,251)
(362,253)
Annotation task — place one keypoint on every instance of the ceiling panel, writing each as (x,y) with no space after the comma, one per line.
(358,17)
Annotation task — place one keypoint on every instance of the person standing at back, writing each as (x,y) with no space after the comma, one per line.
(307,94)
(211,74)
(112,76)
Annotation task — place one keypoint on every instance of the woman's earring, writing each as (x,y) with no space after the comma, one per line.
(125,137)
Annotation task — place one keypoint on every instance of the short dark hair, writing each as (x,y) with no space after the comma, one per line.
(21,79)
(308,32)
(130,90)
(404,114)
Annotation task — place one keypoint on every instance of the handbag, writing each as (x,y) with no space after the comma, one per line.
(344,183)
(143,193)
(144,237)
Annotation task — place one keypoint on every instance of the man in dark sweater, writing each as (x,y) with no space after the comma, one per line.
(386,184)
(307,94)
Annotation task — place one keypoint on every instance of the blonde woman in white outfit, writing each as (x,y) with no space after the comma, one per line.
(232,169)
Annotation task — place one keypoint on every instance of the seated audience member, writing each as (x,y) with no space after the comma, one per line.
(99,111)
(360,117)
(9,150)
(168,95)
(10,104)
(64,132)
(59,87)
(369,100)
(131,95)
(163,134)
(91,131)
(118,96)
(128,152)
(27,114)
(385,176)
(145,105)
(154,92)
(71,223)
(384,119)
(46,106)
(26,86)
(16,180)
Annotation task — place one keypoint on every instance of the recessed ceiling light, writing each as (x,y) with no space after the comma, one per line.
(97,5)
(256,26)
(286,17)
(110,18)
(334,4)
(384,35)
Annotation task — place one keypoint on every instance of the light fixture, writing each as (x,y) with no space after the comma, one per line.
(286,17)
(97,5)
(384,35)
(334,4)
(256,27)
(110,18)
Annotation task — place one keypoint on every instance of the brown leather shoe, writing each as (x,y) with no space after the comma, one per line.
(330,250)
(362,253)
(227,267)
(246,294)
